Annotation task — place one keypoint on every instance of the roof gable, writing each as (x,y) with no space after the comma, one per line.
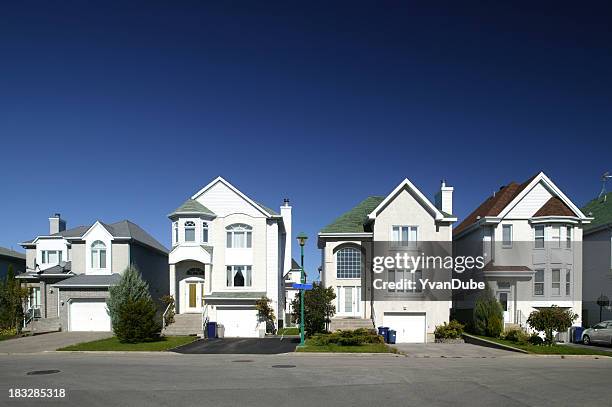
(554,207)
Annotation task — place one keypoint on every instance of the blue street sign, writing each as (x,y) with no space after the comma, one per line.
(302,286)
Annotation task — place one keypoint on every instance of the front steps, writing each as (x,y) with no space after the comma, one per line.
(43,325)
(185,324)
(350,323)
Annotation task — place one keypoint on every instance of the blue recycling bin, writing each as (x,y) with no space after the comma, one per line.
(578,330)
(384,332)
(392,336)
(211,330)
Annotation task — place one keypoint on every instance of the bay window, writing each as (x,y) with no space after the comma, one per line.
(568,237)
(190,231)
(556,237)
(204,232)
(539,236)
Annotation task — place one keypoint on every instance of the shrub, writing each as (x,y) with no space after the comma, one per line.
(168,300)
(516,335)
(348,337)
(488,315)
(131,287)
(318,308)
(8,332)
(452,330)
(265,313)
(551,319)
(136,321)
(535,339)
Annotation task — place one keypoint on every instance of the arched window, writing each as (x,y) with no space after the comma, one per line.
(98,255)
(195,271)
(204,232)
(348,263)
(190,231)
(239,236)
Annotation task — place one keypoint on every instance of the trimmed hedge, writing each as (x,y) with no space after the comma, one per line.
(348,337)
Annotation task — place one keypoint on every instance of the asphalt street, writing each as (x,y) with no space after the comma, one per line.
(171,379)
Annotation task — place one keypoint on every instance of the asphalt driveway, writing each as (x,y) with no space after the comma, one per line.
(261,346)
(49,342)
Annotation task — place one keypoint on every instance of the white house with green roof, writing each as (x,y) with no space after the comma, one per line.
(403,217)
(228,251)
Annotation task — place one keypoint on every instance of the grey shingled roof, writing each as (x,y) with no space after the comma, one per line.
(236,295)
(191,206)
(11,253)
(271,212)
(58,269)
(83,280)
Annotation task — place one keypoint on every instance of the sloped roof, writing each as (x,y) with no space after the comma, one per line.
(271,212)
(191,206)
(353,221)
(494,204)
(554,207)
(11,253)
(84,280)
(601,209)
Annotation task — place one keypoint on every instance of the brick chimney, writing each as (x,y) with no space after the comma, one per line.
(56,224)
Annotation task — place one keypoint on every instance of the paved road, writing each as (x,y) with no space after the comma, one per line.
(49,342)
(171,379)
(261,346)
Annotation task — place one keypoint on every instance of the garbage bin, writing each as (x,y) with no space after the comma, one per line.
(392,336)
(211,330)
(578,330)
(384,332)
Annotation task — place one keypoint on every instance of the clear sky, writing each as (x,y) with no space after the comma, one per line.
(116,111)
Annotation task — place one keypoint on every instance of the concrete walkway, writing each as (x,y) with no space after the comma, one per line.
(49,342)
(446,350)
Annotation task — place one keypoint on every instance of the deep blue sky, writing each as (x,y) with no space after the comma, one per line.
(116,111)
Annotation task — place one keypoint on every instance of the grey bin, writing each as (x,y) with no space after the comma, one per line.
(392,336)
(220,331)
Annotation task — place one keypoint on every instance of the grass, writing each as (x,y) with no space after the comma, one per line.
(113,344)
(549,350)
(4,337)
(334,348)
(289,331)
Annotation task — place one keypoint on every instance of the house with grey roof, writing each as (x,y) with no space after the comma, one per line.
(9,257)
(228,251)
(404,221)
(69,272)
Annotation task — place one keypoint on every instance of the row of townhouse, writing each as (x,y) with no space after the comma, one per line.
(229,250)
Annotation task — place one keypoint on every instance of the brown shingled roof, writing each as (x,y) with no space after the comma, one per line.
(554,207)
(494,204)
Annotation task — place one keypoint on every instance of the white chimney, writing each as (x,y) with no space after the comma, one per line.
(285,211)
(444,198)
(56,224)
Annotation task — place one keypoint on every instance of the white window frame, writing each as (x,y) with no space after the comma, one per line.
(175,232)
(233,241)
(232,270)
(348,262)
(44,256)
(191,227)
(407,275)
(536,283)
(568,282)
(96,255)
(568,237)
(205,236)
(554,282)
(507,244)
(397,237)
(555,237)
(537,238)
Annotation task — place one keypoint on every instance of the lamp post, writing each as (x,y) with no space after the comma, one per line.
(302,241)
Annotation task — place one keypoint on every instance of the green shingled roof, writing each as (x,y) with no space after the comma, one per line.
(192,206)
(599,209)
(353,220)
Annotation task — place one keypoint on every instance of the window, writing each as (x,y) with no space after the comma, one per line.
(195,272)
(239,236)
(190,231)
(239,276)
(568,282)
(175,232)
(98,255)
(506,235)
(556,282)
(348,263)
(538,283)
(405,235)
(204,232)
(555,237)
(404,276)
(51,256)
(568,237)
(539,237)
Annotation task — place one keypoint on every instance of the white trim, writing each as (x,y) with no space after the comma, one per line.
(340,234)
(555,219)
(424,201)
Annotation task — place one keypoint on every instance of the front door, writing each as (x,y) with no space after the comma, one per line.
(193,296)
(349,301)
(504,299)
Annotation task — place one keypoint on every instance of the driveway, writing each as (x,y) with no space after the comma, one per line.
(447,350)
(49,342)
(261,346)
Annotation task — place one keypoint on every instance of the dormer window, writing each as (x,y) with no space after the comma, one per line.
(98,255)
(204,232)
(190,231)
(239,236)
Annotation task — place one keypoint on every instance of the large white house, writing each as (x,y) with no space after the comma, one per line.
(530,236)
(228,251)
(404,218)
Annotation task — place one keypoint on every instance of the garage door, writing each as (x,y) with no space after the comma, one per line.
(238,322)
(89,315)
(410,327)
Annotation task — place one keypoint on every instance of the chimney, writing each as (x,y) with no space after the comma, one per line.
(285,211)
(444,198)
(56,224)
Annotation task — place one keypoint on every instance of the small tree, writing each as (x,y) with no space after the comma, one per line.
(318,308)
(265,313)
(551,319)
(12,299)
(488,315)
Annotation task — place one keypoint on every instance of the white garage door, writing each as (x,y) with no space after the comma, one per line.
(89,315)
(410,327)
(238,322)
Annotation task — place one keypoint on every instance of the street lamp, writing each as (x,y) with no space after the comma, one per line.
(301,237)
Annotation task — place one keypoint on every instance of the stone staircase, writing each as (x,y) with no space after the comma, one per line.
(350,323)
(185,324)
(42,325)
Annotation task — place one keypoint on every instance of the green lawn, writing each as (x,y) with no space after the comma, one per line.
(367,348)
(550,350)
(113,344)
(288,331)
(4,337)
